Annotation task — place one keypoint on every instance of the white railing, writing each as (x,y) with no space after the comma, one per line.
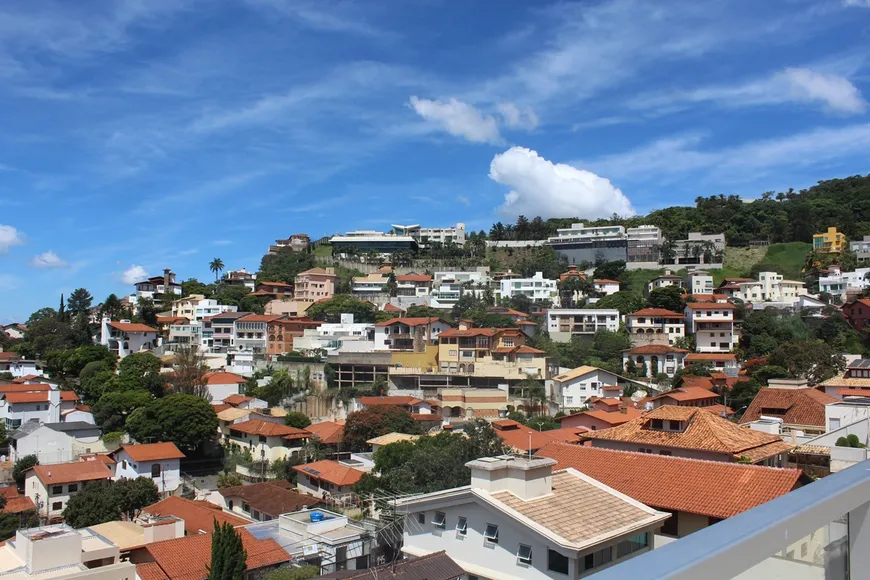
(831,516)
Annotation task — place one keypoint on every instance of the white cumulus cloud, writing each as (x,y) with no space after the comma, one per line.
(836,92)
(459,119)
(542,188)
(517,118)
(9,237)
(133,274)
(48,260)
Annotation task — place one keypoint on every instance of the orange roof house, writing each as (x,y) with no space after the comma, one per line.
(331,472)
(74,472)
(328,432)
(691,432)
(677,484)
(519,437)
(798,408)
(153,451)
(268,429)
(199,516)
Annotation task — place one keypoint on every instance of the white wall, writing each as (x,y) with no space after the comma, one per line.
(170,471)
(841,414)
(576,391)
(48,445)
(37,492)
(220,392)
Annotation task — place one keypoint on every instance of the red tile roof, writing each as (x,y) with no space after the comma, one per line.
(259,318)
(566,434)
(221,407)
(697,382)
(657,313)
(237,399)
(131,327)
(328,432)
(392,308)
(459,333)
(794,406)
(412,322)
(604,281)
(704,432)
(413,278)
(188,558)
(710,356)
(519,436)
(21,388)
(272,498)
(855,392)
(153,451)
(710,488)
(38,397)
(684,394)
(76,471)
(654,349)
(395,401)
(223,378)
(198,517)
(268,429)
(331,471)
(150,571)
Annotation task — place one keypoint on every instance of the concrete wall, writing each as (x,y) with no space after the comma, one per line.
(170,471)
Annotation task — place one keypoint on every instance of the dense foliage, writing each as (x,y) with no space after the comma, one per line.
(101,502)
(228,556)
(374,422)
(186,420)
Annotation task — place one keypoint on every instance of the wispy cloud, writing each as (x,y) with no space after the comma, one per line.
(9,237)
(344,16)
(463,200)
(9,282)
(133,274)
(48,261)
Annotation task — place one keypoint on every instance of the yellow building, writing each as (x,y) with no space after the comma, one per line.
(830,242)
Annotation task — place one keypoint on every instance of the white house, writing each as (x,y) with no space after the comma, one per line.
(605,287)
(196,307)
(698,282)
(55,442)
(327,478)
(655,358)
(222,384)
(838,283)
(266,440)
(125,337)
(14,330)
(160,462)
(51,486)
(770,287)
(562,323)
(537,288)
(17,366)
(573,388)
(655,326)
(408,333)
(42,402)
(156,286)
(334,335)
(519,520)
(664,281)
(712,324)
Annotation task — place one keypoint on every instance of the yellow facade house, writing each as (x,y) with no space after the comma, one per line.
(830,242)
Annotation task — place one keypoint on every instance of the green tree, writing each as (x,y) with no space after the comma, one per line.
(65,365)
(146,312)
(186,420)
(284,266)
(142,370)
(814,361)
(374,422)
(133,495)
(19,469)
(624,301)
(391,287)
(668,297)
(216,266)
(194,286)
(332,309)
(79,302)
(228,479)
(92,505)
(228,556)
(279,387)
(610,270)
(297,419)
(113,409)
(111,307)
(4,435)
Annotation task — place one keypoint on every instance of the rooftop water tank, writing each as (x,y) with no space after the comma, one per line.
(316,517)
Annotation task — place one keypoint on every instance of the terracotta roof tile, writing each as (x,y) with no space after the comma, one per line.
(150,571)
(710,356)
(237,399)
(153,451)
(412,322)
(21,388)
(655,349)
(794,406)
(684,394)
(73,472)
(328,432)
(131,327)
(187,558)
(222,378)
(396,400)
(657,313)
(413,278)
(710,488)
(331,471)
(710,306)
(273,498)
(198,516)
(518,436)
(704,431)
(268,429)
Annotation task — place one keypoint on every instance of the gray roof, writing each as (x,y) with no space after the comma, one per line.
(72,426)
(26,429)
(437,566)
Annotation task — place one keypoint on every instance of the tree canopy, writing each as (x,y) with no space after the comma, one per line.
(332,309)
(100,502)
(186,420)
(374,422)
(228,556)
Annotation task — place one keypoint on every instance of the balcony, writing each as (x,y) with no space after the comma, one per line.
(821,531)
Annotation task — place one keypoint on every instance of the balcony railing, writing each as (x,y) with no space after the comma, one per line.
(821,530)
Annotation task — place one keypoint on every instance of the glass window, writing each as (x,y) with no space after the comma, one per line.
(439,521)
(57,506)
(491,533)
(632,544)
(596,559)
(72,488)
(556,562)
(421,518)
(155,470)
(524,555)
(462,526)
(57,489)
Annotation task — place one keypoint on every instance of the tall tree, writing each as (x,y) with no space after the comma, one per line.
(111,307)
(186,420)
(79,302)
(20,467)
(216,266)
(228,556)
(189,373)
(368,423)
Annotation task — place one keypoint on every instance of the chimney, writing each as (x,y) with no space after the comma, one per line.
(524,477)
(419,345)
(166,280)
(466,324)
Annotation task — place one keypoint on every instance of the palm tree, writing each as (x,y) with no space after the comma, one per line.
(216,266)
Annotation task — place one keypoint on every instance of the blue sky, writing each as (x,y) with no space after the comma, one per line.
(143,134)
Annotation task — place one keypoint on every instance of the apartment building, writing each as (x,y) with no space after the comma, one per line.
(712,325)
(841,284)
(563,323)
(315,284)
(580,244)
(425,237)
(445,293)
(497,352)
(124,337)
(157,287)
(698,248)
(362,241)
(413,285)
(346,334)
(861,248)
(196,307)
(643,245)
(655,326)
(537,288)
(250,332)
(698,282)
(829,242)
(519,519)
(240,278)
(770,287)
(218,331)
(282,332)
(409,334)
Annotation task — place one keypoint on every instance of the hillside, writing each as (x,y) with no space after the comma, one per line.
(787,259)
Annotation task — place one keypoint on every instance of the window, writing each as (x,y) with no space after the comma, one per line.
(524,555)
(569,400)
(262,438)
(462,526)
(230,505)
(663,452)
(72,488)
(439,521)
(491,533)
(596,559)
(57,489)
(155,470)
(631,545)
(57,506)
(674,425)
(657,424)
(124,464)
(556,562)
(421,518)
(508,341)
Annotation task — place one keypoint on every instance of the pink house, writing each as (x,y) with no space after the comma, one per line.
(315,284)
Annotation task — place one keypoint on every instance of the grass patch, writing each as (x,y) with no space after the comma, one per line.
(323,250)
(788,258)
